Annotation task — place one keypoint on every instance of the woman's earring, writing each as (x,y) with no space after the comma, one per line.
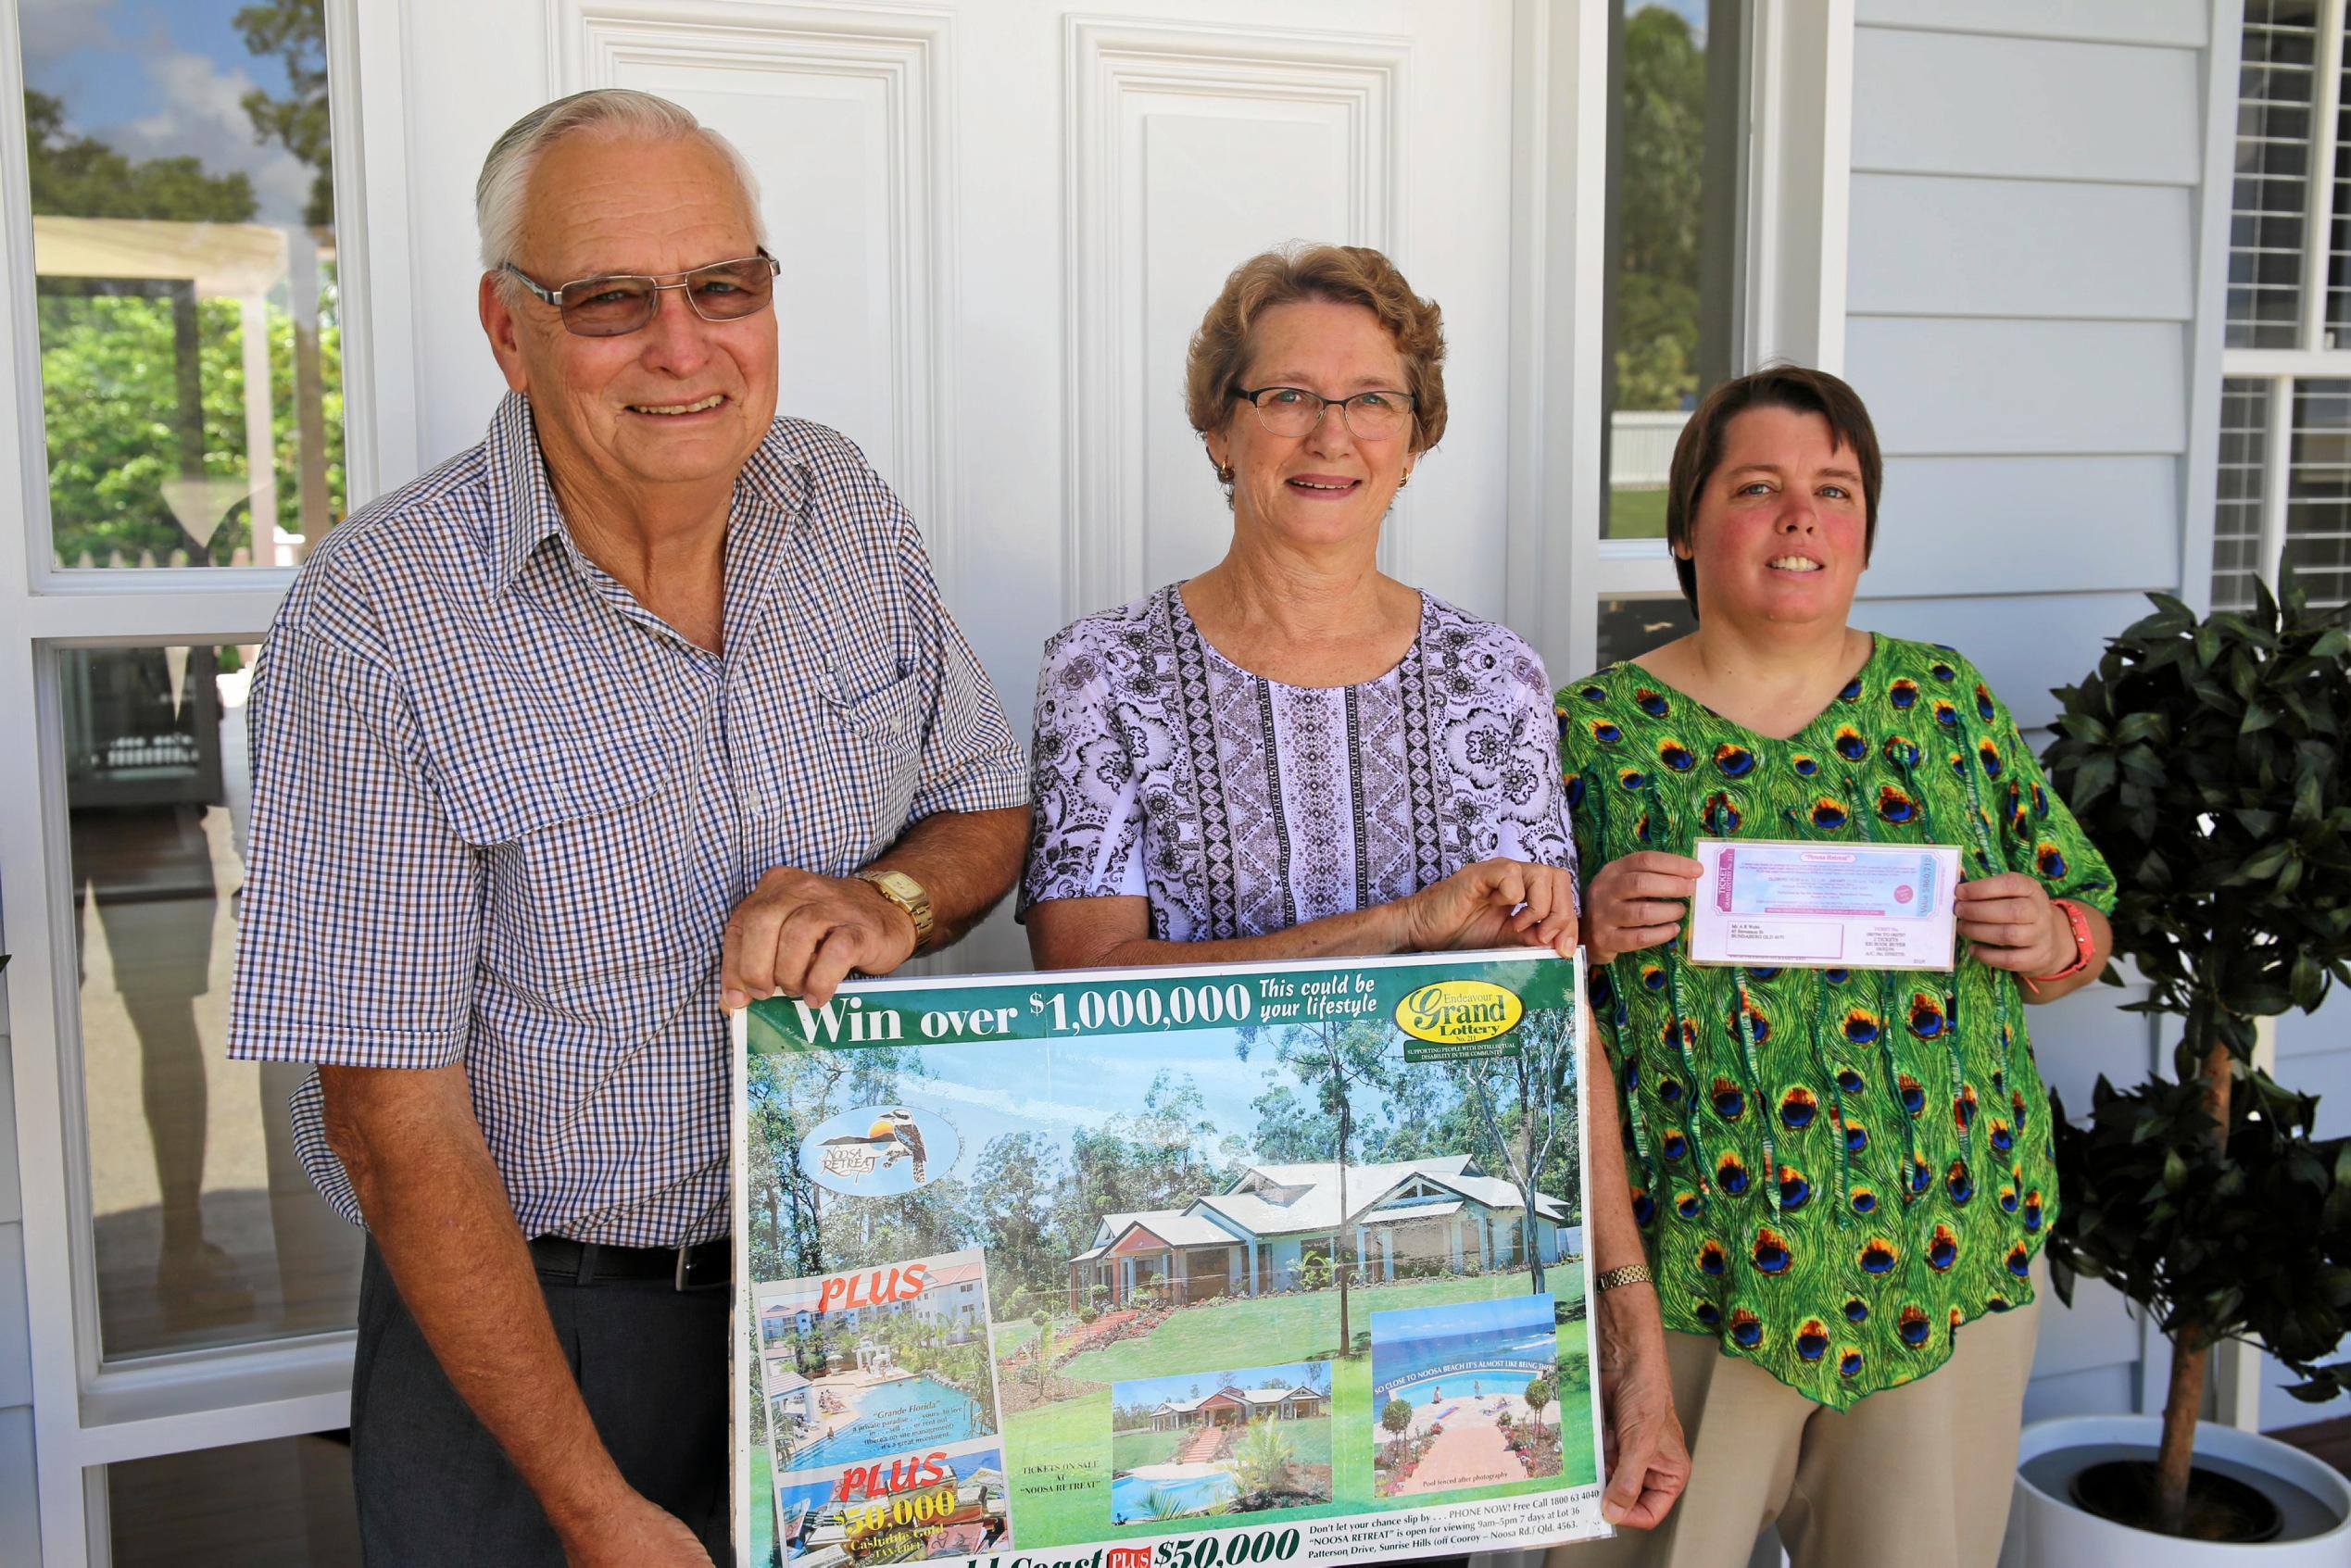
(1407,479)
(1224,473)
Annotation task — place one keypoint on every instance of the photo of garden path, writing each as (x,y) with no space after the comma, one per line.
(1190,1204)
(1467,1395)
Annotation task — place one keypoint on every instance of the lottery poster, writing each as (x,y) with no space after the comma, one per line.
(1166,1268)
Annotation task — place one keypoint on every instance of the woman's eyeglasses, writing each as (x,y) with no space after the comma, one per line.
(610,307)
(1293,410)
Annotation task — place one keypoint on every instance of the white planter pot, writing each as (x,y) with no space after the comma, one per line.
(2046,1530)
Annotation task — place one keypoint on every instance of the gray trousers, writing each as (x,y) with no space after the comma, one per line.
(435,1490)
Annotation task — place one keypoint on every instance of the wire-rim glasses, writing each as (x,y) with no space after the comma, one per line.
(620,302)
(1294,411)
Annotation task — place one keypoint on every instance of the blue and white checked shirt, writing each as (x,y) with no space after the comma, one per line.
(501,811)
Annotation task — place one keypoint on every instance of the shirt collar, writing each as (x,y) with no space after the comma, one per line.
(773,486)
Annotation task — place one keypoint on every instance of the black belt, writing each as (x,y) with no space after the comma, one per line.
(704,1266)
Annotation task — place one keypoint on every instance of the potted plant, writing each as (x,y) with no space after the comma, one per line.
(2207,760)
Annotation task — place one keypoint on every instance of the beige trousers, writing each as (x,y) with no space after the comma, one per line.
(1919,1474)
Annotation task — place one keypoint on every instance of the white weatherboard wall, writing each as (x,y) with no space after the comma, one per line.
(2024,307)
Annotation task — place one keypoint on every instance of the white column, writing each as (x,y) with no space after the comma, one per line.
(261,442)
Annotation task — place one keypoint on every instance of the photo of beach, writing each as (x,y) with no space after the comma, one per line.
(1235,1441)
(1467,1395)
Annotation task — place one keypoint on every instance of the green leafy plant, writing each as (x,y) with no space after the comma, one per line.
(2206,758)
(1540,1391)
(1261,1462)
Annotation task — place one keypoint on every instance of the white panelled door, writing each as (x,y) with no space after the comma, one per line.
(999,222)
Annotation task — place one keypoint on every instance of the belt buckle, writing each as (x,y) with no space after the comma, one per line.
(683,1279)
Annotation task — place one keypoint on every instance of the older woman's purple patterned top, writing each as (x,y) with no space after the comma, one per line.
(1240,805)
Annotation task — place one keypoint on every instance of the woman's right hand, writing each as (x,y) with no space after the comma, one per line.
(1637,901)
(1491,904)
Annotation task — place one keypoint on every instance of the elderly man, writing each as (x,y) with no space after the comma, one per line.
(646,705)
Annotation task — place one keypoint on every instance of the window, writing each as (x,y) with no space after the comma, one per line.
(182,197)
(2284,471)
(1676,166)
(178,331)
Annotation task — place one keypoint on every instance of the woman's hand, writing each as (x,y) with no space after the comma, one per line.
(1491,904)
(1648,1458)
(1637,901)
(2013,924)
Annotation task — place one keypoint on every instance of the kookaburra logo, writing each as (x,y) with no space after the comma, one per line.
(892,1138)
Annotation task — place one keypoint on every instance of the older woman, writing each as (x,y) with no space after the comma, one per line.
(1293,754)
(1839,1169)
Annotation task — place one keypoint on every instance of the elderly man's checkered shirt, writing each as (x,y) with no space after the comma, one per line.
(501,811)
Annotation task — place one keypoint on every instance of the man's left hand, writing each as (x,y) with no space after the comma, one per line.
(801,934)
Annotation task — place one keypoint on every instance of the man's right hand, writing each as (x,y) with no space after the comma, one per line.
(1637,901)
(633,1533)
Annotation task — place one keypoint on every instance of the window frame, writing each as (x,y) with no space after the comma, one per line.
(87,1414)
(1789,303)
(2281,370)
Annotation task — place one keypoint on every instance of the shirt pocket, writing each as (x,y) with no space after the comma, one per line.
(589,863)
(877,740)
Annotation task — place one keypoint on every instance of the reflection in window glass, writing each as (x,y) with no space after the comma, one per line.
(2318,536)
(206,1232)
(1674,163)
(1631,627)
(285,1503)
(183,242)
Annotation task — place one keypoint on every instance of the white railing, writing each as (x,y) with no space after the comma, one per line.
(1640,446)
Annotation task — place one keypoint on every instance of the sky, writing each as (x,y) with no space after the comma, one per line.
(1693,11)
(155,78)
(1151,1390)
(1081,1083)
(1509,1314)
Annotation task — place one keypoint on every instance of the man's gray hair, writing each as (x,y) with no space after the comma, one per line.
(615,113)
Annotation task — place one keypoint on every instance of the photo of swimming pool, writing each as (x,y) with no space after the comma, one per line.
(894,1417)
(1166,1491)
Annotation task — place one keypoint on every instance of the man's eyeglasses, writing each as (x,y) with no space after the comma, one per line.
(610,307)
(1293,410)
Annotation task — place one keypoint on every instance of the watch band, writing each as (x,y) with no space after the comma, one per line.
(908,894)
(1629,1273)
(2079,923)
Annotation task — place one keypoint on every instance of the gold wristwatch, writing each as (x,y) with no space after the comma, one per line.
(908,894)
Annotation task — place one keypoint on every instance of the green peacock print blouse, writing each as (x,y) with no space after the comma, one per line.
(1832,1168)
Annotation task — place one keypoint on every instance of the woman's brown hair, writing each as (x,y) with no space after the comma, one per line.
(1345,274)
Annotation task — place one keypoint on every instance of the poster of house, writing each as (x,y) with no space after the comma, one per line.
(1290,1255)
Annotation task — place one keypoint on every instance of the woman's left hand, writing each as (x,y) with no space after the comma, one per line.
(2013,924)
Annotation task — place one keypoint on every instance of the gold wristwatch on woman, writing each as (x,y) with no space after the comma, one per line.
(908,894)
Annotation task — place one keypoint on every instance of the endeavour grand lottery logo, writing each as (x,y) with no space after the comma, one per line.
(880,1150)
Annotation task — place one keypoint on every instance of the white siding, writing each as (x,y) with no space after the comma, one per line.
(1948,103)
(1971,527)
(2314,1056)
(2020,296)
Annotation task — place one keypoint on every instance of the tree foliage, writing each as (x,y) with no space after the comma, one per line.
(2206,761)
(111,401)
(295,30)
(82,177)
(1663,139)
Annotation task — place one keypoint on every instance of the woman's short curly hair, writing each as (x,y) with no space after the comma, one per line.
(1345,274)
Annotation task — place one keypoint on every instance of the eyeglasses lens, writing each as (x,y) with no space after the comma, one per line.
(1371,416)
(726,292)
